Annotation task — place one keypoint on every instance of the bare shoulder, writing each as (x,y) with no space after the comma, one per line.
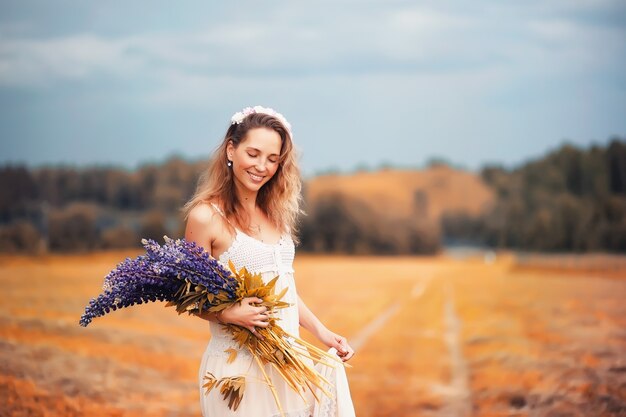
(203,225)
(202,213)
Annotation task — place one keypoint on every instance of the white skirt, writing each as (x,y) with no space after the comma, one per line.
(258,399)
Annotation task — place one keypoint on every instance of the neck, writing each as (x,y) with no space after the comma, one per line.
(247,198)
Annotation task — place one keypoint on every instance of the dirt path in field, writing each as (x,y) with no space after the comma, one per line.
(360,338)
(459,402)
(481,339)
(456,390)
(412,348)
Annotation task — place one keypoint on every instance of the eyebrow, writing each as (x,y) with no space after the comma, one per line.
(258,150)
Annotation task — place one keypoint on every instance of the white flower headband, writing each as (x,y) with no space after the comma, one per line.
(240,115)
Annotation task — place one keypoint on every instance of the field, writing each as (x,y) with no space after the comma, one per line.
(435,336)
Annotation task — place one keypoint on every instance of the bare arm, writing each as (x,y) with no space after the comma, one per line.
(199,229)
(203,227)
(309,321)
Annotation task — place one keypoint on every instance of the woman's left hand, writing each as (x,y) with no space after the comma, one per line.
(330,339)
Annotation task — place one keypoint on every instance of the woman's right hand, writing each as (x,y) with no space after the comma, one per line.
(246,314)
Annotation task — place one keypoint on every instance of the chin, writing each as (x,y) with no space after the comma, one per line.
(259,186)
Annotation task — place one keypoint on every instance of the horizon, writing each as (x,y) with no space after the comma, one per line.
(358,167)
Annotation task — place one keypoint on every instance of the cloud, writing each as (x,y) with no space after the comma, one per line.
(392,41)
(27,61)
(297,42)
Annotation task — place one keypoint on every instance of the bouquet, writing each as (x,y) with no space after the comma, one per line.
(189,279)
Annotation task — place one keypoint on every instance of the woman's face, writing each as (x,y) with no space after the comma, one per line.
(255,160)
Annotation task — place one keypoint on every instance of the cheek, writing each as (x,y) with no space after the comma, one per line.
(273,169)
(245,161)
(271,172)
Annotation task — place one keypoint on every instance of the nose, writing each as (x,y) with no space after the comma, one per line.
(261,165)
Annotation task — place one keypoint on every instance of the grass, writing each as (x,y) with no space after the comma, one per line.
(460,337)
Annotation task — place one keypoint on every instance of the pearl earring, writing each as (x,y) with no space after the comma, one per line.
(230,164)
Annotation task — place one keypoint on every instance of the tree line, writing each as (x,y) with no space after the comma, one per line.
(571,199)
(70,209)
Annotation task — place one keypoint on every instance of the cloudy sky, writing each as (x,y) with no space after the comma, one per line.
(362,82)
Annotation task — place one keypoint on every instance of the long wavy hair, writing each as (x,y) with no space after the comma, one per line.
(279,198)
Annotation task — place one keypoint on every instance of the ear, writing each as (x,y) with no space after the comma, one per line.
(230,149)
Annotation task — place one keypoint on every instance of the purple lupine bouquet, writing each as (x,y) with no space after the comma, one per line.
(179,272)
(189,279)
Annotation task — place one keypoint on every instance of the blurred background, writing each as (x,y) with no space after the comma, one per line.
(464,171)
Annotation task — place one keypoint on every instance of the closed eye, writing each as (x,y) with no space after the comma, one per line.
(272,160)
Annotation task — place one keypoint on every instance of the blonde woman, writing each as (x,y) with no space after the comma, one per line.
(245,210)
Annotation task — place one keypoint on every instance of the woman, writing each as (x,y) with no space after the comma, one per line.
(245,210)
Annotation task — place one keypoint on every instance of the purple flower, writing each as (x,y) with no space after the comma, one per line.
(160,275)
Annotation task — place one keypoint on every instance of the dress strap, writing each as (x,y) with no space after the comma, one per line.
(221,213)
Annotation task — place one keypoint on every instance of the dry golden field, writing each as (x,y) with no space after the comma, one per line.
(435,336)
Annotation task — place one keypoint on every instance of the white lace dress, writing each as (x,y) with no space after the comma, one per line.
(269,260)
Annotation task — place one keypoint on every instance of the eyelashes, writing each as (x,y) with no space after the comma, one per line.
(273,161)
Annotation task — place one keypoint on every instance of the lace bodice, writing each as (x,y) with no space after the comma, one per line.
(269,260)
(260,257)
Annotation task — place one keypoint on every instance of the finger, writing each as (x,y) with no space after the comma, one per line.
(255,332)
(343,345)
(260,320)
(339,352)
(253,300)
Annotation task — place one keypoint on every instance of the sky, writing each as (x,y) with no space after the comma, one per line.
(363,83)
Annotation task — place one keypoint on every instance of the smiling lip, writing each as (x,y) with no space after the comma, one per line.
(254,177)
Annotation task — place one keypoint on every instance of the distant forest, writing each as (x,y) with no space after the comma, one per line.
(571,200)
